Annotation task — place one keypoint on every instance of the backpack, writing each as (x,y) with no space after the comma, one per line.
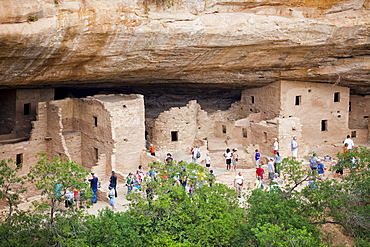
(198,155)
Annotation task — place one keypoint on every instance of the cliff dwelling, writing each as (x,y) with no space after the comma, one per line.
(97,82)
(104,130)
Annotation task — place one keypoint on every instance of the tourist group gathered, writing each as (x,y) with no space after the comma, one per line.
(267,174)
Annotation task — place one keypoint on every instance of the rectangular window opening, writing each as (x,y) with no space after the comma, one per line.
(224,129)
(297,100)
(265,137)
(366,116)
(324,125)
(252,99)
(96,121)
(174,136)
(19,160)
(27,109)
(353,134)
(349,107)
(96,154)
(337,97)
(245,133)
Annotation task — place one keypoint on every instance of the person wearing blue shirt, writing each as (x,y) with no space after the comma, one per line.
(94,187)
(320,168)
(257,157)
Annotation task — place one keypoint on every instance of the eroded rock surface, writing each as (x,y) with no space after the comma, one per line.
(235,42)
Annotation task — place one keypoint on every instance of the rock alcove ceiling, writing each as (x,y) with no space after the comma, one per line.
(196,44)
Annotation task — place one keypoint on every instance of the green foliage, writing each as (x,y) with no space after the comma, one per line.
(293,174)
(111,229)
(11,185)
(280,236)
(209,217)
(53,178)
(32,18)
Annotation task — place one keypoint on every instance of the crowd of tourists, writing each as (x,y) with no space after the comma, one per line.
(141,182)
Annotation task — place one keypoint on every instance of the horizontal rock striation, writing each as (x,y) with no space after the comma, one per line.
(247,43)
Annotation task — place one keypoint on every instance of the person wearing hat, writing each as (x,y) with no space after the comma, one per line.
(320,168)
(235,158)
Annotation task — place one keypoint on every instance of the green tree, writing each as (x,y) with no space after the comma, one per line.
(53,178)
(11,185)
(211,216)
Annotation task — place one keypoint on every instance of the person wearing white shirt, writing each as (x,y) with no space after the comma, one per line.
(238,183)
(350,143)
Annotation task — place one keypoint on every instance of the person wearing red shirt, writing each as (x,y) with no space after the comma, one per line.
(259,172)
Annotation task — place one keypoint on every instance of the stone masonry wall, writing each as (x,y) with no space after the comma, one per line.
(360,112)
(94,123)
(29,149)
(264,100)
(127,117)
(190,122)
(317,104)
(29,96)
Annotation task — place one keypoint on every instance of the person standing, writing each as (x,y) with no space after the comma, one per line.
(313,163)
(257,157)
(228,156)
(195,155)
(260,172)
(270,168)
(258,184)
(152,150)
(208,161)
(111,196)
(294,147)
(169,159)
(277,162)
(276,145)
(113,182)
(350,143)
(235,158)
(238,183)
(211,178)
(320,169)
(94,187)
(129,182)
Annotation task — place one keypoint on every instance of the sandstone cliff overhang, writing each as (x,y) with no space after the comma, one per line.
(238,43)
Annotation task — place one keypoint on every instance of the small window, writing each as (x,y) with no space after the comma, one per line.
(324,125)
(366,116)
(174,136)
(96,121)
(19,160)
(27,109)
(96,152)
(349,107)
(245,133)
(265,137)
(353,134)
(309,90)
(124,106)
(297,100)
(252,99)
(224,129)
(337,97)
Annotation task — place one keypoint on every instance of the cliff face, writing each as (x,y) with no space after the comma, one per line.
(236,42)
